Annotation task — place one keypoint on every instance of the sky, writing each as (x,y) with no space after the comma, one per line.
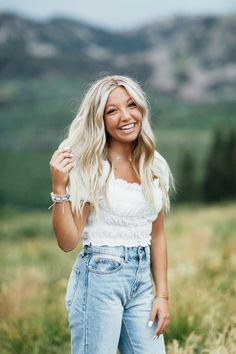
(117,15)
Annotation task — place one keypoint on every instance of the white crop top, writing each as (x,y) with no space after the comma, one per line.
(129,223)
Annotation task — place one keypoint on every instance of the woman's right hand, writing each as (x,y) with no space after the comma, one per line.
(60,166)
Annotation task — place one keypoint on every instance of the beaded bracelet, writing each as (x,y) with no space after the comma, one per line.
(59,199)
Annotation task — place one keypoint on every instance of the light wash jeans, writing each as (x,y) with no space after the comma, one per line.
(108,301)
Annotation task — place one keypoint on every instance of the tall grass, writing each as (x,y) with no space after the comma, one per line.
(202,263)
(202,260)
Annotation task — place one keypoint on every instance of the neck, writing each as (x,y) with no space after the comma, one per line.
(124,151)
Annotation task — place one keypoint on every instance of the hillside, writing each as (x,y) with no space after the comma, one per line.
(191,58)
(185,65)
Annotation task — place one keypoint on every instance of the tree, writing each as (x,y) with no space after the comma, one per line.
(187,185)
(220,171)
(230,165)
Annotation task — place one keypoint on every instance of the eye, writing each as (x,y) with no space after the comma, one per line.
(132,104)
(111,111)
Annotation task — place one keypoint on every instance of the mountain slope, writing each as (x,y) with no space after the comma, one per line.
(192,58)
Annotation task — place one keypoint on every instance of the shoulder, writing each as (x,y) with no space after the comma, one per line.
(105,168)
(161,168)
(105,164)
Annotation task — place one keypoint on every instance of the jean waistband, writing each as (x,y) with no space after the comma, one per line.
(135,252)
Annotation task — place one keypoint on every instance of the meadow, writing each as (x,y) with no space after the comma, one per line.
(37,106)
(202,263)
(36,112)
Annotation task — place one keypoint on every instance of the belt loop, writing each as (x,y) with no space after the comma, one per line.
(140,248)
(148,253)
(126,254)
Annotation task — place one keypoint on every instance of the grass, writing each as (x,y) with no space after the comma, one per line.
(201,275)
(37,112)
(202,263)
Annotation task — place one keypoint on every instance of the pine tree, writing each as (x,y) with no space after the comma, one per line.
(230,165)
(187,185)
(220,167)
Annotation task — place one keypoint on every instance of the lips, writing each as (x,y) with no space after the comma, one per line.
(127,126)
(127,129)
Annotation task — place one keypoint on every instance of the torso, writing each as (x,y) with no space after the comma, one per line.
(124,170)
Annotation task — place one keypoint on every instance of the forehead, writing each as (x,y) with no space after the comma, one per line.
(119,94)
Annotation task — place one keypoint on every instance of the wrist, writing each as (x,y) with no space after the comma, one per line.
(60,198)
(162,296)
(59,190)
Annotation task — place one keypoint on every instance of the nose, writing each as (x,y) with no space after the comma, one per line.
(125,114)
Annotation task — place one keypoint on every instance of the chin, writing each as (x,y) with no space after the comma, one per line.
(129,139)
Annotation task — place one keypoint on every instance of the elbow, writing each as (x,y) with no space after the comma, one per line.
(68,248)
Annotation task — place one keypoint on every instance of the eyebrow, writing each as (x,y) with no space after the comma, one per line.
(110,105)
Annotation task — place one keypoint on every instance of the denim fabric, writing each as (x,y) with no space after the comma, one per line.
(108,300)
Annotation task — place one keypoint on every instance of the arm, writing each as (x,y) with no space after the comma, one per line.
(68,227)
(159,262)
(160,306)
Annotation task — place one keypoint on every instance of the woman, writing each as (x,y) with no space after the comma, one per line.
(117,186)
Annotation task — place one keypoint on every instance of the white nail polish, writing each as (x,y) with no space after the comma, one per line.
(150,323)
(155,337)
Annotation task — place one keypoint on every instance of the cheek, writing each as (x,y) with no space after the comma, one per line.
(139,116)
(110,123)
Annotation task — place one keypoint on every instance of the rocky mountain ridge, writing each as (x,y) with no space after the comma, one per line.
(192,58)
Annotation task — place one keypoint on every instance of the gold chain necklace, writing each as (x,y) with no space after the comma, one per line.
(119,158)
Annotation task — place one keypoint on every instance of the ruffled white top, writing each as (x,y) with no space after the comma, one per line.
(129,222)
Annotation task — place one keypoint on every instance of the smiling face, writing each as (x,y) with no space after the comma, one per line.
(122,117)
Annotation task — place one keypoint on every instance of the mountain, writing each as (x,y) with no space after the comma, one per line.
(192,58)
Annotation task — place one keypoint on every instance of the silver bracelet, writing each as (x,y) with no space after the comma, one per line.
(59,199)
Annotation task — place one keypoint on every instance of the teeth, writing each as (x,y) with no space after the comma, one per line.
(128,126)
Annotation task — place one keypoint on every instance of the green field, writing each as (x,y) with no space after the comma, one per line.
(36,112)
(202,264)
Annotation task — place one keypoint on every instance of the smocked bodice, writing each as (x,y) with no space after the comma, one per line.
(129,222)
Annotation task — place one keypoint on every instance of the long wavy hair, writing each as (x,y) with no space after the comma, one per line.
(88,140)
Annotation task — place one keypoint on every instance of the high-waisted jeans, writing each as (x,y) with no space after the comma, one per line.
(109,299)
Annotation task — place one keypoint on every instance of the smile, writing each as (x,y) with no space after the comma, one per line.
(128,128)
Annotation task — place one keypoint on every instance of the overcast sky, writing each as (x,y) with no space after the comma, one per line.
(121,14)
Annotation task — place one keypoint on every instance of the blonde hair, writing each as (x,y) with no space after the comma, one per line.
(87,140)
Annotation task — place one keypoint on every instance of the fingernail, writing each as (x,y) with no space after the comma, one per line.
(155,337)
(150,323)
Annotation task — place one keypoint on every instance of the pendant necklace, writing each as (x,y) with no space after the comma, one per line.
(119,158)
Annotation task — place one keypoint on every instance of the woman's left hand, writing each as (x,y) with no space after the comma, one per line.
(160,307)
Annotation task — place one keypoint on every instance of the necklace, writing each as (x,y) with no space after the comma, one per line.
(119,158)
(114,156)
